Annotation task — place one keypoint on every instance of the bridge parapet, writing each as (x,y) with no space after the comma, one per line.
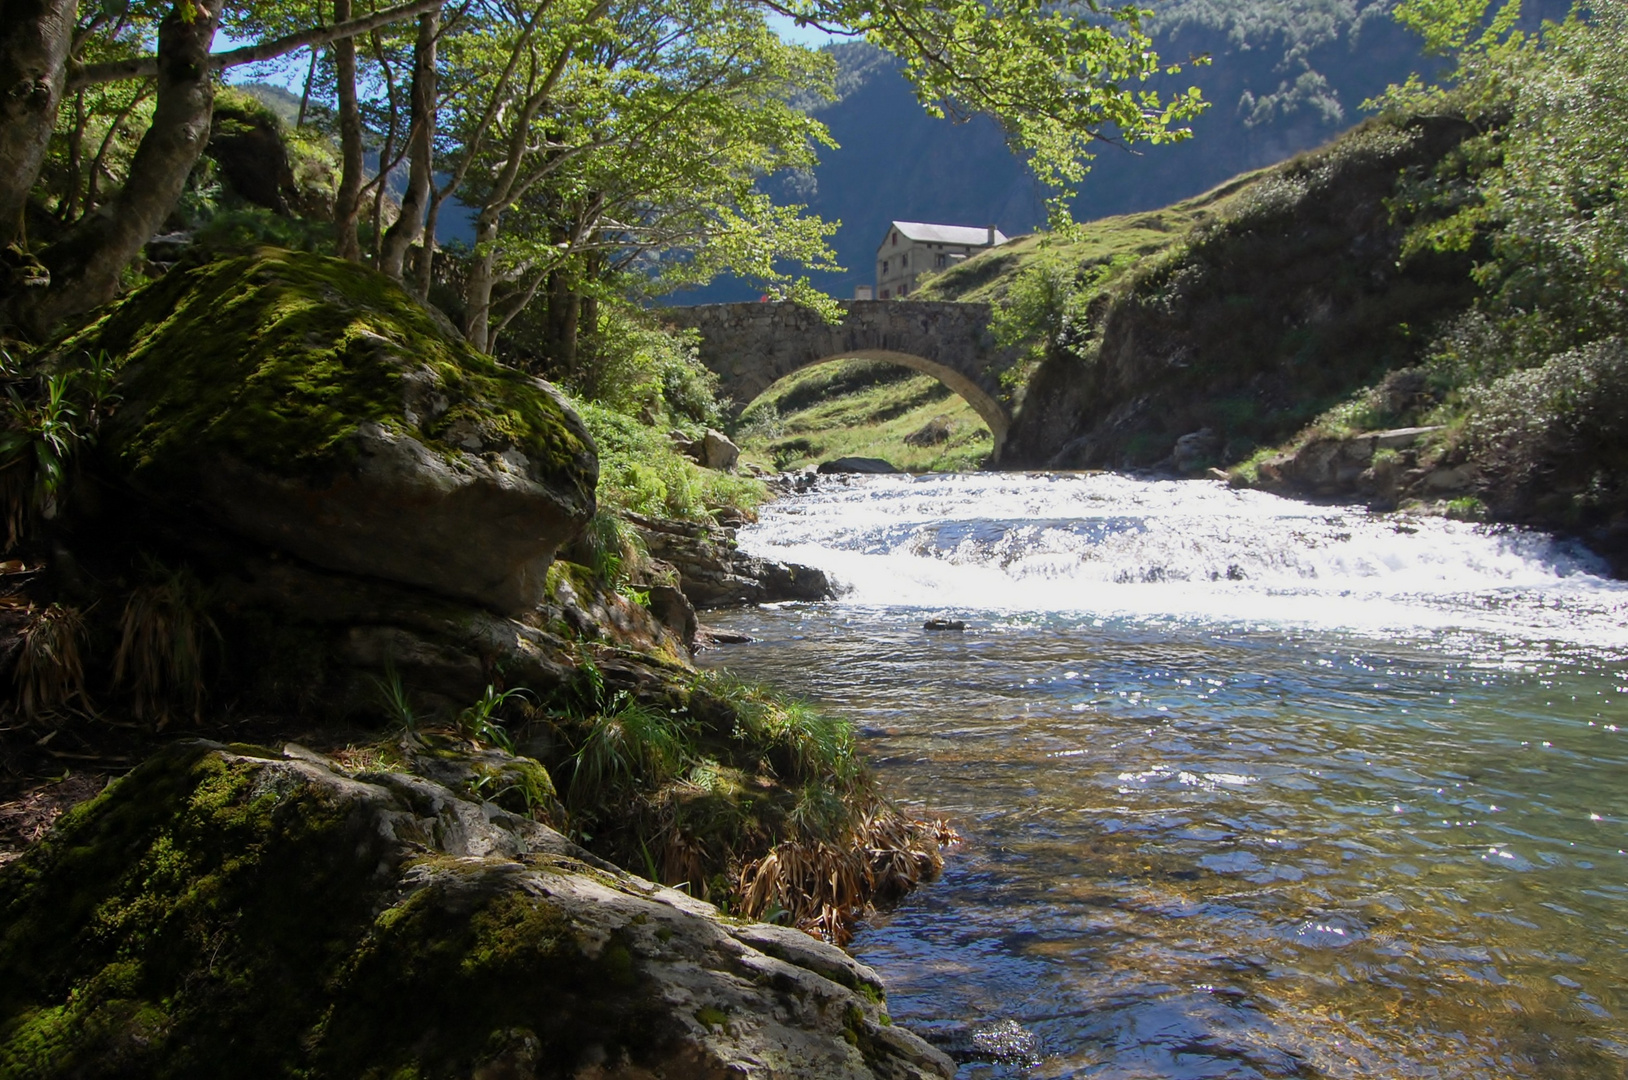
(752,345)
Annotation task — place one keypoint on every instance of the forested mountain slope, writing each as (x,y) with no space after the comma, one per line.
(1286,76)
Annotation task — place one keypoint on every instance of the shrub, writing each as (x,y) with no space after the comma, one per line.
(640,471)
(630,364)
(1567,414)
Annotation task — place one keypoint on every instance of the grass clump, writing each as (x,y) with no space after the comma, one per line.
(165,636)
(50,671)
(714,789)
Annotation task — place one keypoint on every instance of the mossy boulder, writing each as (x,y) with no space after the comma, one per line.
(246,141)
(239,913)
(310,405)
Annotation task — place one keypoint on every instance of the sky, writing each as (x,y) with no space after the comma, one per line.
(799,35)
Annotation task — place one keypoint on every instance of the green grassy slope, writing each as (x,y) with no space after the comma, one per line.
(1123,240)
(862,408)
(1243,313)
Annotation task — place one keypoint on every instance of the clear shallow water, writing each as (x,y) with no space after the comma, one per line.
(1249,787)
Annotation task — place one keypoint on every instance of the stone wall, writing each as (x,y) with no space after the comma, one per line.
(751,346)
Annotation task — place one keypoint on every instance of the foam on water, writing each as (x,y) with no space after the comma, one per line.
(1114,546)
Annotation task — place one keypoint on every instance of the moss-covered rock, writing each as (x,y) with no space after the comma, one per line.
(311,405)
(245,140)
(229,913)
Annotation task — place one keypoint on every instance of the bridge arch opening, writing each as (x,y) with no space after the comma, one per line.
(877,390)
(750,346)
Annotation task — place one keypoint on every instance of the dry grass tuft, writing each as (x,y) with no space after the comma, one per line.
(163,633)
(824,887)
(50,666)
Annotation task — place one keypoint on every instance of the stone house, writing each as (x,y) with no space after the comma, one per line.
(913,248)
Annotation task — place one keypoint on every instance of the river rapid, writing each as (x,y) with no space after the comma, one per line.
(1249,787)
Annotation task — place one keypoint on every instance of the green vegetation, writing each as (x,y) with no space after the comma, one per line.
(1533,374)
(640,471)
(602,147)
(863,408)
(1113,243)
(1526,376)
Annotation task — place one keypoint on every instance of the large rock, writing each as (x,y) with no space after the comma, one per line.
(1376,463)
(312,406)
(314,643)
(863,465)
(713,572)
(238,912)
(717,451)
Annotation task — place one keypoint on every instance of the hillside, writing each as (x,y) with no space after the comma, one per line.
(1286,77)
(1243,312)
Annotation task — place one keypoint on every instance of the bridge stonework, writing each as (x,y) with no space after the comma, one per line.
(752,345)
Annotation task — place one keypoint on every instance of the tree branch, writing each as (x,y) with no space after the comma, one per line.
(146,66)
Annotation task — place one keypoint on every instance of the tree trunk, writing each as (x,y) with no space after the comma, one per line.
(305,95)
(387,156)
(560,324)
(425,271)
(482,279)
(85,266)
(68,207)
(348,199)
(409,224)
(35,36)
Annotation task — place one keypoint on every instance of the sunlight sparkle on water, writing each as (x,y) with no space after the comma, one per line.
(1249,788)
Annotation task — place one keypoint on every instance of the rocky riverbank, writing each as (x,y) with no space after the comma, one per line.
(298,508)
(243,912)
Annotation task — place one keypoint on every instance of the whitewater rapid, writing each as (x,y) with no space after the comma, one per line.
(1112,546)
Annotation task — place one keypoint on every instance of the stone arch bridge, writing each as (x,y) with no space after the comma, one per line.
(752,345)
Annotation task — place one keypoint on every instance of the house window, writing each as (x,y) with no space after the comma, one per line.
(904,262)
(938,261)
(884,294)
(884,266)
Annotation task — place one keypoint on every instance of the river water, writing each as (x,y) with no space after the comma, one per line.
(1249,787)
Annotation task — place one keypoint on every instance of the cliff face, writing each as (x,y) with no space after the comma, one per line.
(1288,301)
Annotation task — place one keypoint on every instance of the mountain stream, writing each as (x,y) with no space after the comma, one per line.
(1249,787)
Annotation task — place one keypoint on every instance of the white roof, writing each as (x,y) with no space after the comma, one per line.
(921,232)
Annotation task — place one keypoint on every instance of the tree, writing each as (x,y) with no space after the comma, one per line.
(86,265)
(1540,196)
(617,130)
(589,135)
(1060,77)
(33,73)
